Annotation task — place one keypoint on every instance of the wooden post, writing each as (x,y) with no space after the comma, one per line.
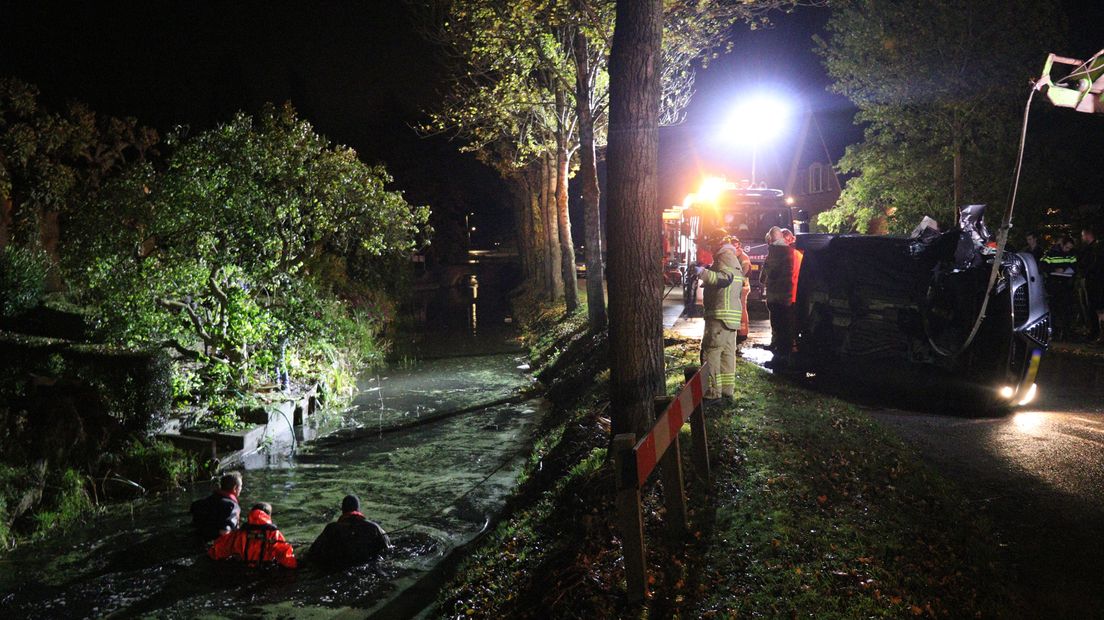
(700,448)
(630,521)
(670,471)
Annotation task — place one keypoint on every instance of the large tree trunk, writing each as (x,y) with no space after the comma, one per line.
(563,219)
(5,222)
(957,147)
(536,226)
(49,239)
(551,229)
(635,280)
(588,171)
(520,194)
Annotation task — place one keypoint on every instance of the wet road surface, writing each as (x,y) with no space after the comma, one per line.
(1038,475)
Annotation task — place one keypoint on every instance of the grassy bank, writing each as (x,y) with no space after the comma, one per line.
(816,511)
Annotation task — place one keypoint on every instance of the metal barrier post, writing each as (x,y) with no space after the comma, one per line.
(630,520)
(670,471)
(700,451)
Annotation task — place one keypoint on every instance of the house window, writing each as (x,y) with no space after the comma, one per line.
(816,178)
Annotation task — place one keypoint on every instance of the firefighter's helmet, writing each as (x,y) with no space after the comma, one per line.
(716,235)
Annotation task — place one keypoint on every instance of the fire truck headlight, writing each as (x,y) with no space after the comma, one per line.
(711,188)
(1007,392)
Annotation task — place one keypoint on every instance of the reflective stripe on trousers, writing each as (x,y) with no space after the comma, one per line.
(719,351)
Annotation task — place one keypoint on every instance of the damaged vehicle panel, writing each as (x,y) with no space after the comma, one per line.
(875,303)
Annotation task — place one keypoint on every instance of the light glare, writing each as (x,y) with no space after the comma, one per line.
(1030,396)
(758,120)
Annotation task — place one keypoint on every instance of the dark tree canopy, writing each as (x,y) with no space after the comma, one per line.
(940,85)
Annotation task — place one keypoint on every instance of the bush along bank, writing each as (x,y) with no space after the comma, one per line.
(259,255)
(75,424)
(815,511)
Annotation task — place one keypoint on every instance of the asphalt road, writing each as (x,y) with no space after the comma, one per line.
(1037,474)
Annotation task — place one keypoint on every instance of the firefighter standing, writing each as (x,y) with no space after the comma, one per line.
(723,284)
(745,268)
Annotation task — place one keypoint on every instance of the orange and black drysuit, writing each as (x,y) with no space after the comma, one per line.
(256,542)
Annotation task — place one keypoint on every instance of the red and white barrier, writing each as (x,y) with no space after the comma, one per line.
(652,447)
(635,462)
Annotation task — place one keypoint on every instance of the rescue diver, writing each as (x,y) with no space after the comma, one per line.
(257,542)
(219,512)
(352,540)
(723,285)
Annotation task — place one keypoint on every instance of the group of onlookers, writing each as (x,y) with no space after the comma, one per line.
(1075,284)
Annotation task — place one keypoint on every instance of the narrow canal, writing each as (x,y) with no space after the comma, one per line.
(433,486)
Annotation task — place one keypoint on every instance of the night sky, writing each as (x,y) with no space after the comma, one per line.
(360,73)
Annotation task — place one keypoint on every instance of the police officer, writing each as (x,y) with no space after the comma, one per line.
(722,283)
(1059,265)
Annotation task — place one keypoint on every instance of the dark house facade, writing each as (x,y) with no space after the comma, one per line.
(812,183)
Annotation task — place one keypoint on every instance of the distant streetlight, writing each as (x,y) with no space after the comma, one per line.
(755,122)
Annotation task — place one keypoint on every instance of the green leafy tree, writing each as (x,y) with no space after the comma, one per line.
(50,162)
(228,253)
(939,85)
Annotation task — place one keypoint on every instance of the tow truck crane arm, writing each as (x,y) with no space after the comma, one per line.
(1082,89)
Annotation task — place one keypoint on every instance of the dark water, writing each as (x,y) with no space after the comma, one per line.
(433,487)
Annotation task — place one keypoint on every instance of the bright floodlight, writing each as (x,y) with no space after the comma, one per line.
(757,120)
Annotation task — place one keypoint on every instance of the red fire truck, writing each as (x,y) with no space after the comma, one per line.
(744,210)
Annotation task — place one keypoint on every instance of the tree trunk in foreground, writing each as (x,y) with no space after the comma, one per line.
(635,219)
(588,172)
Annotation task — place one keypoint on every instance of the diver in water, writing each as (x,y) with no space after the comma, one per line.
(219,512)
(352,540)
(257,542)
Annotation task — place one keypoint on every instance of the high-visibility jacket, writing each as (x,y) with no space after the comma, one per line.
(722,283)
(1059,263)
(256,542)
